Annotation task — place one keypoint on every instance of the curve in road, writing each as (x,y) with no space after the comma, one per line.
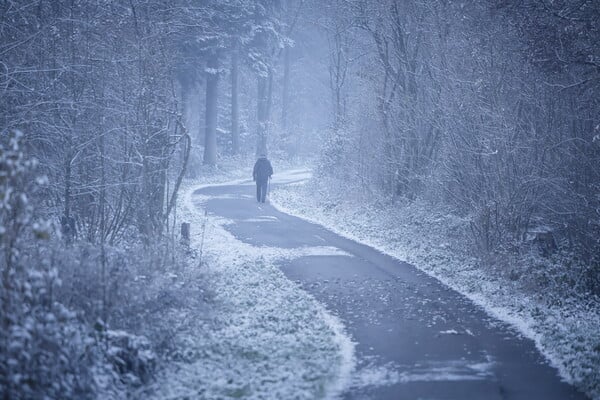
(415,337)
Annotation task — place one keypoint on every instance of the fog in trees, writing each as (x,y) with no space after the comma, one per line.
(489,111)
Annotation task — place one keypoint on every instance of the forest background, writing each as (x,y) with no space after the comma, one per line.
(486,110)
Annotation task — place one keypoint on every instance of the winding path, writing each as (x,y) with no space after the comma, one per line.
(415,337)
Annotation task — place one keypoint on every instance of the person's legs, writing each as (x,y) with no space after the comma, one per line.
(258,190)
(263,193)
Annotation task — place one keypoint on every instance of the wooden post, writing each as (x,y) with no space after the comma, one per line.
(185,231)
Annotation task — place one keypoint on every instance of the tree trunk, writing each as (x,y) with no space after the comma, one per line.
(263,115)
(269,94)
(103,260)
(210,132)
(285,97)
(235,109)
(68,180)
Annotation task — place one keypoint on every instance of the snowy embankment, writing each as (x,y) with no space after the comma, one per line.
(260,335)
(566,331)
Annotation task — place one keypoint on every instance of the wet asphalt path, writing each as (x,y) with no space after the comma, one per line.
(419,338)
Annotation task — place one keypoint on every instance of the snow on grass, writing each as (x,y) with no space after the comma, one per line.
(292,176)
(566,330)
(449,332)
(376,375)
(264,337)
(392,374)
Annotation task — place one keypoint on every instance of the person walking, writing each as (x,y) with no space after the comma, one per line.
(261,175)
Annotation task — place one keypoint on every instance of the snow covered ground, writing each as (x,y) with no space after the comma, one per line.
(235,341)
(566,331)
(261,336)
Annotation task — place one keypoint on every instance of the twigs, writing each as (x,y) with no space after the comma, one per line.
(202,237)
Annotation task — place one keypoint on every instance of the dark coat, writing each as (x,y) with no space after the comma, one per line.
(262,170)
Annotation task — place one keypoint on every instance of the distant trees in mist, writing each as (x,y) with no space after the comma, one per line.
(100,91)
(490,107)
(93,97)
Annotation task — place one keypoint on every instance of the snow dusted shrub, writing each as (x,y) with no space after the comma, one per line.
(41,343)
(334,158)
(136,275)
(126,326)
(131,356)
